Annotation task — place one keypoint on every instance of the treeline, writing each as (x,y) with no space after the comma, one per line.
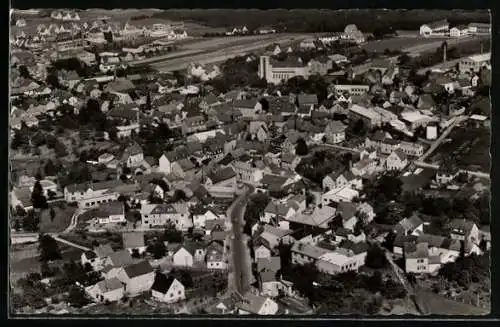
(313,21)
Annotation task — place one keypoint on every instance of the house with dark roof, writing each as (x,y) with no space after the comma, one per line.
(410,226)
(221,177)
(464,230)
(115,262)
(107,290)
(167,289)
(214,257)
(418,259)
(138,277)
(348,256)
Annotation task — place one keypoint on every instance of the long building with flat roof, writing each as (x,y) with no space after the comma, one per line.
(475,63)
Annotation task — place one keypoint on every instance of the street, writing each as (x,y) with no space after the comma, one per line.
(241,274)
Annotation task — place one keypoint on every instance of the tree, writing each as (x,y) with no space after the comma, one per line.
(37,197)
(24,72)
(301,147)
(50,169)
(178,196)
(31,221)
(375,258)
(46,270)
(77,297)
(17,225)
(135,253)
(172,235)
(157,249)
(48,248)
(60,149)
(52,214)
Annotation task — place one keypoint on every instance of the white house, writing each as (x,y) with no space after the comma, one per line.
(88,195)
(439,28)
(254,304)
(167,289)
(459,31)
(397,160)
(134,241)
(201,216)
(343,259)
(335,132)
(108,290)
(111,212)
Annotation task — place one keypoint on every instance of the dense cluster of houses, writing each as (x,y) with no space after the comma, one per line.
(247,137)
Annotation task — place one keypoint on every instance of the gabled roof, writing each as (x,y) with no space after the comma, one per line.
(138,269)
(269,264)
(133,240)
(245,103)
(103,250)
(347,210)
(162,283)
(307,99)
(409,224)
(120,258)
(462,225)
(416,250)
(251,303)
(109,285)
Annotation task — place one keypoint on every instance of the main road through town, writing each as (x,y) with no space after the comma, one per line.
(240,276)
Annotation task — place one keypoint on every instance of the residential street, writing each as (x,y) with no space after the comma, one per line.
(241,273)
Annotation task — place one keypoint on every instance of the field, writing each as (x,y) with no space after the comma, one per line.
(443,306)
(468,146)
(61,220)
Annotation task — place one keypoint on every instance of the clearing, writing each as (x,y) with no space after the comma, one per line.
(61,220)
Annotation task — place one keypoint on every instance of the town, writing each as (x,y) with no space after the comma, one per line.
(167,167)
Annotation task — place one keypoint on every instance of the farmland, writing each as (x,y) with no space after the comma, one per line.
(60,221)
(468,146)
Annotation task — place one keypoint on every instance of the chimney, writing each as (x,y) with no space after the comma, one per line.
(445,49)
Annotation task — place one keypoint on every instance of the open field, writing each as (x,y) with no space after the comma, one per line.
(468,146)
(61,220)
(443,306)
(226,52)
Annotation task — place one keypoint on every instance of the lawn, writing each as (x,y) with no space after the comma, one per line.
(60,222)
(468,146)
(398,43)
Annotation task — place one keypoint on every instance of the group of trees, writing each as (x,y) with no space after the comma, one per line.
(320,164)
(342,293)
(467,270)
(237,72)
(254,210)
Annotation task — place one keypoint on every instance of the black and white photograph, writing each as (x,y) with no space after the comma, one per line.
(248,162)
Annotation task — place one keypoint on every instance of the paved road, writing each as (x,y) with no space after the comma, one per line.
(241,275)
(57,238)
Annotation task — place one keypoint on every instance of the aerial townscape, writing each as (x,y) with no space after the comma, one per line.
(249,162)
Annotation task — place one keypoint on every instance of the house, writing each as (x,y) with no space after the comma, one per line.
(201,215)
(340,179)
(167,289)
(134,241)
(138,277)
(257,305)
(410,226)
(335,132)
(479,28)
(347,211)
(188,254)
(418,260)
(303,253)
(446,173)
(167,160)
(340,194)
(163,214)
(88,195)
(397,160)
(247,172)
(439,28)
(97,258)
(248,107)
(289,161)
(349,256)
(114,262)
(108,290)
(215,256)
(475,63)
(371,118)
(262,251)
(276,211)
(133,156)
(459,31)
(464,230)
(221,177)
(111,212)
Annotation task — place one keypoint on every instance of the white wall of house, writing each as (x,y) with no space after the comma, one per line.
(137,284)
(262,252)
(175,293)
(417,265)
(98,296)
(183,258)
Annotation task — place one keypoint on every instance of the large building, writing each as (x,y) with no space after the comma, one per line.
(438,28)
(475,63)
(275,71)
(479,29)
